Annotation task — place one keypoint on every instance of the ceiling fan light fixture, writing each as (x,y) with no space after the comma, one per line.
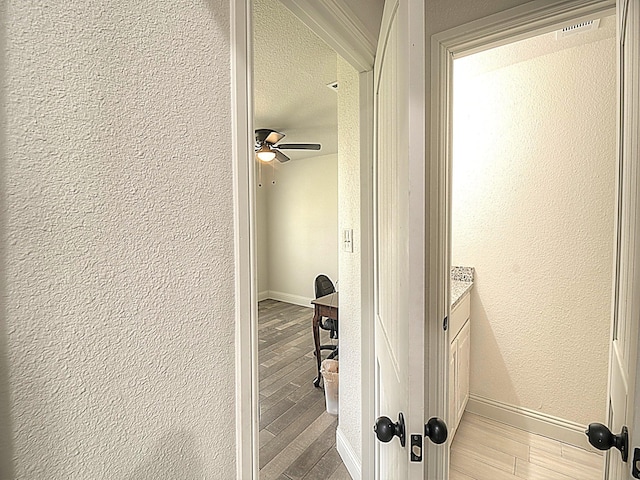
(265,153)
(268,146)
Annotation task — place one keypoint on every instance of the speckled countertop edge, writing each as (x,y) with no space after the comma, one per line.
(461,283)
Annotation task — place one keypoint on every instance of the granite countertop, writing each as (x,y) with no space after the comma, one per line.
(461,283)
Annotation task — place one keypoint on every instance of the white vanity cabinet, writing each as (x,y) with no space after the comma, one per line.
(459,334)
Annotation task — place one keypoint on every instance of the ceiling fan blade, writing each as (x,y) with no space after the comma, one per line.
(274,137)
(299,146)
(269,136)
(281,157)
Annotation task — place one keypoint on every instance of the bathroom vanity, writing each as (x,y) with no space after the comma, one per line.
(460,349)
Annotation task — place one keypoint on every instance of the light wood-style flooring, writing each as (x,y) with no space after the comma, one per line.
(483,449)
(297,435)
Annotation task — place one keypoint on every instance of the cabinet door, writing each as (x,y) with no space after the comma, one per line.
(462,372)
(453,382)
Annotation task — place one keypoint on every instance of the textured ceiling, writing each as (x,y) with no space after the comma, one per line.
(292,67)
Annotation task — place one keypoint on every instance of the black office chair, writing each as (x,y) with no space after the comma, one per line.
(324,286)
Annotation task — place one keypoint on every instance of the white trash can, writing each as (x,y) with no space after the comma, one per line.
(329,371)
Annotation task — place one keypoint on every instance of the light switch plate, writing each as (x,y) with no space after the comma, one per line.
(347,240)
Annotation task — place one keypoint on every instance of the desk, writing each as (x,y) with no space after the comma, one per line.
(326,306)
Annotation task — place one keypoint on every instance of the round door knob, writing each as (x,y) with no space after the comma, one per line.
(601,438)
(386,429)
(436,430)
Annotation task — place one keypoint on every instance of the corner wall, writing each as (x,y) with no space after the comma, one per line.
(118,239)
(533,212)
(350,262)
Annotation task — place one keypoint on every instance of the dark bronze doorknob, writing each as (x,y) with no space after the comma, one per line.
(436,430)
(385,429)
(601,437)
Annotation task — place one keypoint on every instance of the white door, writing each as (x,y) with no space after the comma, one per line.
(626,304)
(399,236)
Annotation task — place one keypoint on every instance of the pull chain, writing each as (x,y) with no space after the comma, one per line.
(273,172)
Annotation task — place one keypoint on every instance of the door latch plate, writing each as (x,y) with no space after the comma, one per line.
(416,448)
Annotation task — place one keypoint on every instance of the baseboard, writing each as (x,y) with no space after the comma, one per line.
(348,455)
(531,421)
(264,295)
(289,298)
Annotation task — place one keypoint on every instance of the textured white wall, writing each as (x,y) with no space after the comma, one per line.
(118,241)
(302,225)
(533,189)
(349,263)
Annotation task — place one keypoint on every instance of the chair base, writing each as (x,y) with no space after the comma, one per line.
(331,356)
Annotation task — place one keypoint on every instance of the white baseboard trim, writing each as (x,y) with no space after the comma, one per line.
(264,295)
(289,298)
(348,455)
(531,421)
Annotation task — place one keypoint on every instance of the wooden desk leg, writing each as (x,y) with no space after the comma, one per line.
(316,341)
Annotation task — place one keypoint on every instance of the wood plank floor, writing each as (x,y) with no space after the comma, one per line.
(483,449)
(297,435)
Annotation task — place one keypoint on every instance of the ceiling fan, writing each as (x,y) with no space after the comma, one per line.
(266,148)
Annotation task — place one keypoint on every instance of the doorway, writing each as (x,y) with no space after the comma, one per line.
(533,210)
(302,207)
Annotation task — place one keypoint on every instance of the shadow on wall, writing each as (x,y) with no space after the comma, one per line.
(480,381)
(175,457)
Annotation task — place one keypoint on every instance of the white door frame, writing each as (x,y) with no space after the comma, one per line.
(246,298)
(341,29)
(522,22)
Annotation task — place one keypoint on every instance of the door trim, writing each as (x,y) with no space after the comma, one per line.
(629,148)
(246,301)
(525,21)
(366,273)
(332,21)
(335,23)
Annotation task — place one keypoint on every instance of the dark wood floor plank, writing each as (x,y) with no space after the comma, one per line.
(296,411)
(274,374)
(305,386)
(273,386)
(268,402)
(297,436)
(265,436)
(313,454)
(282,440)
(265,348)
(287,456)
(326,467)
(282,361)
(341,473)
(268,416)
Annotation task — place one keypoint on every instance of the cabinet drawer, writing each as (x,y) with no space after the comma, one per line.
(459,315)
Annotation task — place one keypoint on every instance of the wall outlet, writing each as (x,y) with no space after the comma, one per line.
(347,240)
